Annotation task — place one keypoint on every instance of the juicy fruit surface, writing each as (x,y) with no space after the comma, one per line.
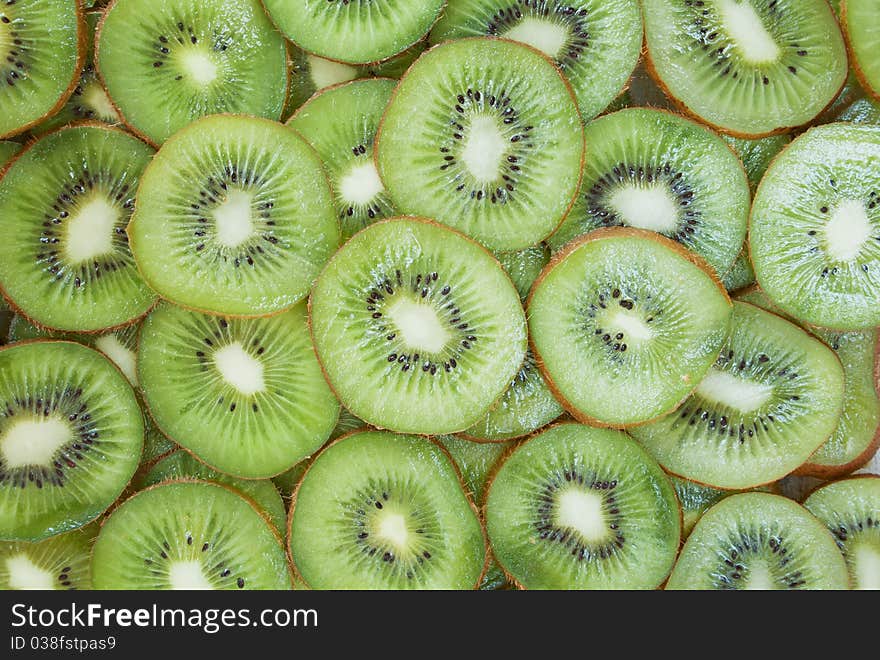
(773,396)
(583,508)
(40,51)
(168,62)
(378,511)
(423,315)
(753,67)
(65,261)
(654,170)
(815,228)
(851,511)
(759,541)
(234,216)
(245,395)
(71,436)
(357,31)
(595,44)
(624,326)
(863,32)
(61,562)
(483,135)
(217,541)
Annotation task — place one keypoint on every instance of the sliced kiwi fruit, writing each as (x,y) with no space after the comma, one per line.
(861,111)
(657,171)
(595,44)
(341,124)
(71,435)
(774,395)
(695,499)
(167,64)
(524,266)
(624,324)
(156,445)
(234,216)
(310,74)
(741,275)
(850,510)
(355,32)
(757,154)
(182,466)
(577,507)
(417,327)
(189,535)
(750,68)
(65,262)
(859,22)
(61,562)
(42,48)
(377,510)
(8,151)
(759,541)
(286,482)
(246,396)
(483,135)
(814,234)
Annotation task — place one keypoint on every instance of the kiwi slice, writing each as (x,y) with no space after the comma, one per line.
(166,64)
(741,275)
(156,445)
(310,74)
(483,135)
(624,324)
(42,46)
(751,67)
(181,466)
(577,507)
(695,499)
(759,541)
(188,535)
(286,482)
(524,266)
(8,151)
(61,562)
(595,44)
(71,435)
(341,124)
(861,111)
(234,216)
(757,154)
(246,396)
(377,510)
(773,397)
(65,262)
(657,171)
(418,328)
(355,32)
(850,510)
(859,21)
(815,228)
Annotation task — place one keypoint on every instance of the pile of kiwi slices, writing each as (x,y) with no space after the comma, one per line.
(414,294)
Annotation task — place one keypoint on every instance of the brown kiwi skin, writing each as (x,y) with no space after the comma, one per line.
(105,11)
(652,71)
(487,551)
(81,53)
(601,234)
(409,218)
(263,515)
(568,88)
(88,123)
(208,312)
(854,62)
(522,441)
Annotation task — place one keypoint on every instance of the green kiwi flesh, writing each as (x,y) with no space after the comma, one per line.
(741,275)
(860,25)
(418,328)
(624,325)
(483,135)
(850,510)
(595,44)
(71,435)
(759,541)
(234,216)
(576,507)
(341,124)
(65,261)
(61,562)
(188,535)
(751,68)
(165,64)
(657,171)
(773,396)
(382,511)
(246,396)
